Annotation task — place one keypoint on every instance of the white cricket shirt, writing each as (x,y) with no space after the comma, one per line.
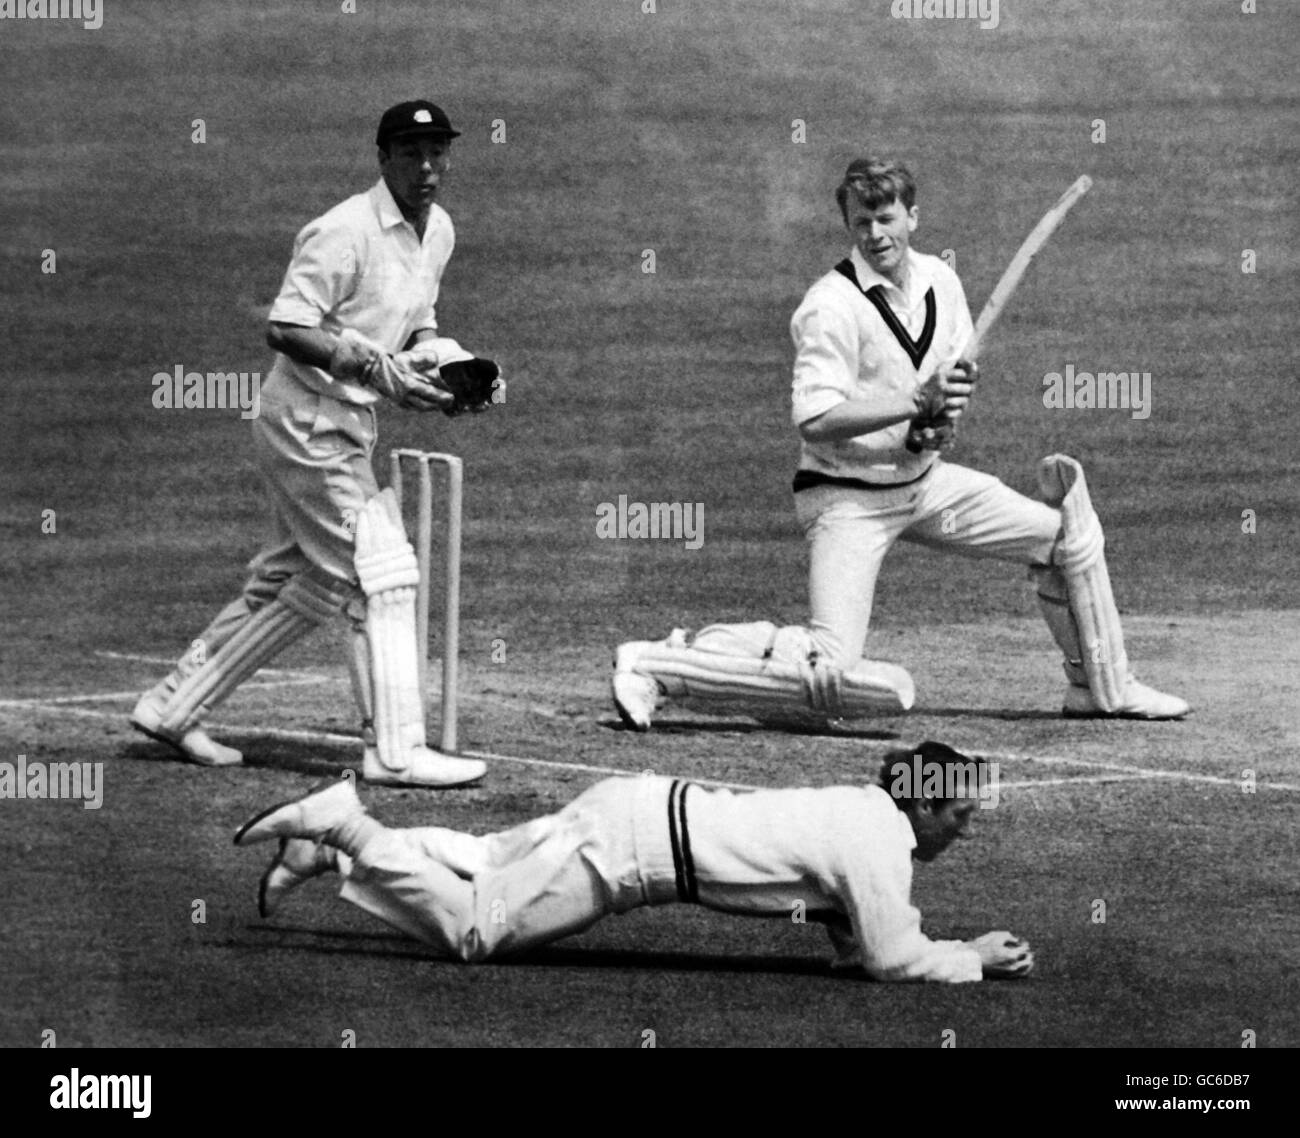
(846,348)
(362,266)
(840,855)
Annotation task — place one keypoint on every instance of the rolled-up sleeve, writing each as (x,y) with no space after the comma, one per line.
(321,275)
(826,357)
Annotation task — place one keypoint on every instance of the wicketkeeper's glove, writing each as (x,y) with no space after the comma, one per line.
(475,383)
(362,361)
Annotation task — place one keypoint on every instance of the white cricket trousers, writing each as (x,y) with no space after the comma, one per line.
(471,898)
(850,530)
(314,454)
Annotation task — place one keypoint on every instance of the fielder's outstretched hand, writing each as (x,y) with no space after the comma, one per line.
(1003,956)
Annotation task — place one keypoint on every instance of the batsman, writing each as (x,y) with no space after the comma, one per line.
(354,322)
(879,385)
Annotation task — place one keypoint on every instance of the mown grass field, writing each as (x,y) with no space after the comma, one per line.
(626,132)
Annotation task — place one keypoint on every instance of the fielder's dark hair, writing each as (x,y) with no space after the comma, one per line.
(874,183)
(898,774)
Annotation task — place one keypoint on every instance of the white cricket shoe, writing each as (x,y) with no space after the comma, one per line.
(424,767)
(635,697)
(313,815)
(636,694)
(195,744)
(1140,702)
(297,860)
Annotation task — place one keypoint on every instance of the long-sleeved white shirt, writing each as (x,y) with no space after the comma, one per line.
(844,853)
(846,349)
(361,266)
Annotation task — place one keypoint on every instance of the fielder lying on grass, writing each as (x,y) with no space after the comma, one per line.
(840,856)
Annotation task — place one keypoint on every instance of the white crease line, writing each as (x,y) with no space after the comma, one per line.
(1098,764)
(1120,773)
(601,770)
(171,663)
(292,677)
(1083,780)
(104,697)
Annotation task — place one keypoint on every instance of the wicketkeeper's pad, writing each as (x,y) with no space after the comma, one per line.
(389,573)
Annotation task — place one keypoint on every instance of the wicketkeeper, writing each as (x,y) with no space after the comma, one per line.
(878,388)
(354,321)
(840,856)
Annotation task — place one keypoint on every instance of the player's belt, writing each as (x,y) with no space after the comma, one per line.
(688,888)
(807,479)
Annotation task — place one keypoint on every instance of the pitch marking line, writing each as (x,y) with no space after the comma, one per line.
(1117,772)
(133,695)
(166,663)
(293,676)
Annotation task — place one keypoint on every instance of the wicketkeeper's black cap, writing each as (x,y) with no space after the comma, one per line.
(419,116)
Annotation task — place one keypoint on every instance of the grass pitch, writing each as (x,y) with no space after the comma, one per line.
(673,132)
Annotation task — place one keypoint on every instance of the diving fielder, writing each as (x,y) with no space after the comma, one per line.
(877,388)
(357,299)
(841,855)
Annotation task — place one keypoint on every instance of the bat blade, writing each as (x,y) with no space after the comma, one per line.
(1006,286)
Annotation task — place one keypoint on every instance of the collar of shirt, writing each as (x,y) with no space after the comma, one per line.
(906,835)
(387,209)
(918,280)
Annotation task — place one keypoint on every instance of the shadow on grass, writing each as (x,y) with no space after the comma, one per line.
(753,725)
(985,713)
(300,939)
(320,760)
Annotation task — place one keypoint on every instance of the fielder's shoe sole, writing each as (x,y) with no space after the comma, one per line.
(195,744)
(313,815)
(1140,702)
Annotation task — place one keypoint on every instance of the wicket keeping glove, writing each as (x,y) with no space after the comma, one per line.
(362,361)
(475,383)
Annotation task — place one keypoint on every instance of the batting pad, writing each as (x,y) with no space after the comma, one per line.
(389,573)
(1080,558)
(778,666)
(304,603)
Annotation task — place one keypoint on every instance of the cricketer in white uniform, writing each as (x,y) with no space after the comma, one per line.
(839,856)
(867,335)
(361,287)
